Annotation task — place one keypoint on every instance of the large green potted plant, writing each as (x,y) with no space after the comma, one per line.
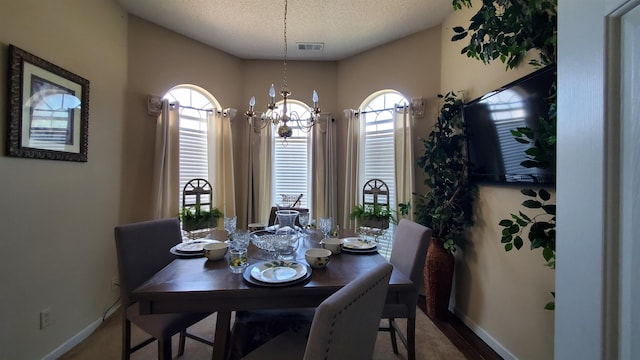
(446,208)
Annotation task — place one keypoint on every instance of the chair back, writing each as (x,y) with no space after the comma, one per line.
(345,324)
(143,249)
(409,250)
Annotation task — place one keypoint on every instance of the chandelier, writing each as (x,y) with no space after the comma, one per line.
(282,119)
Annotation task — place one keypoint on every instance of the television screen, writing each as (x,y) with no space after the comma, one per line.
(494,154)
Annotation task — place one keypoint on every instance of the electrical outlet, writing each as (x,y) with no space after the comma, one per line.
(114,283)
(45,318)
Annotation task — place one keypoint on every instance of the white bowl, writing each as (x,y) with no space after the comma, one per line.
(317,258)
(216,250)
(333,244)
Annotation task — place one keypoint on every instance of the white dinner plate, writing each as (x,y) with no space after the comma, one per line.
(278,271)
(194,245)
(356,243)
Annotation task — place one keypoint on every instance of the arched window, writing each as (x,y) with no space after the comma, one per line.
(292,159)
(377,160)
(195,107)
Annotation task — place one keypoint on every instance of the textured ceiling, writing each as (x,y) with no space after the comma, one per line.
(253,29)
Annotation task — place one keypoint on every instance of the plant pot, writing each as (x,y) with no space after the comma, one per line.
(438,277)
(375,223)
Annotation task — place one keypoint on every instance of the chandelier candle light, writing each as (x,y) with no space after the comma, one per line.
(281,119)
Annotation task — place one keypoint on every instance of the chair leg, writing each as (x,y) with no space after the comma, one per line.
(126,339)
(392,333)
(164,349)
(183,334)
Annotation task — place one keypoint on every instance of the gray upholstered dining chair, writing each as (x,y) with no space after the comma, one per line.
(143,249)
(408,255)
(344,326)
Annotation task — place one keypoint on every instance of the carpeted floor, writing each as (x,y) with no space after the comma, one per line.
(105,343)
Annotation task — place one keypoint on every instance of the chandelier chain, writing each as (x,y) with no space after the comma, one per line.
(281,118)
(284,76)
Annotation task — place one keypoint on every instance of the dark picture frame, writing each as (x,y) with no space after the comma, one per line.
(48,113)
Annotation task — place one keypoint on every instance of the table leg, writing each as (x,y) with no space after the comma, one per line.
(221,336)
(411,338)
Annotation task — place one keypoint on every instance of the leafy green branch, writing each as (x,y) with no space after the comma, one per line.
(508,29)
(542,226)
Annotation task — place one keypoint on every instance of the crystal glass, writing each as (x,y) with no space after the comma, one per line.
(230,224)
(241,240)
(287,218)
(286,244)
(326,224)
(303,218)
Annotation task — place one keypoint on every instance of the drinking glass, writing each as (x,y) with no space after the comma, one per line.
(303,218)
(230,224)
(326,224)
(241,240)
(238,260)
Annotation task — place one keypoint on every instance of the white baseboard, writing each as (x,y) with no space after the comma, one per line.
(485,336)
(79,337)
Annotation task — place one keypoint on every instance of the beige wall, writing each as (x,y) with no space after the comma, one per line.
(499,295)
(65,258)
(159,60)
(57,217)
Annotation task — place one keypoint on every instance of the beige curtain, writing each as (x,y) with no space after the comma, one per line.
(260,158)
(403,153)
(325,177)
(352,156)
(166,172)
(221,171)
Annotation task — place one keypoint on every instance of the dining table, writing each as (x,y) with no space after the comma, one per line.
(195,284)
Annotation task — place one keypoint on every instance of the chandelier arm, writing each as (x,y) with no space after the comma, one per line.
(259,123)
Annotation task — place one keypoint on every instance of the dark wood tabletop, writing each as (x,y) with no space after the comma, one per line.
(200,285)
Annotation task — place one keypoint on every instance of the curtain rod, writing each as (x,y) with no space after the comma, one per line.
(194,108)
(382,110)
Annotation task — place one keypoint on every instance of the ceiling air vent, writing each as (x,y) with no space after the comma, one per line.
(307,46)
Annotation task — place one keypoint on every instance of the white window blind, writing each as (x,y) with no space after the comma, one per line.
(379,164)
(193,154)
(291,171)
(378,152)
(194,108)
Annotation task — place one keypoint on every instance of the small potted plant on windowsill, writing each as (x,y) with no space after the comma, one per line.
(194,218)
(372,216)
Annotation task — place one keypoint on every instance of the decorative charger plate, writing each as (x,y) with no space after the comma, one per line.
(277,273)
(355,243)
(355,251)
(193,246)
(186,254)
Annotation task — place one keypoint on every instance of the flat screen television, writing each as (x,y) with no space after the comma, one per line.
(493,153)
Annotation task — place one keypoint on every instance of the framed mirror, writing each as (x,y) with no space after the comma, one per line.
(48,110)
